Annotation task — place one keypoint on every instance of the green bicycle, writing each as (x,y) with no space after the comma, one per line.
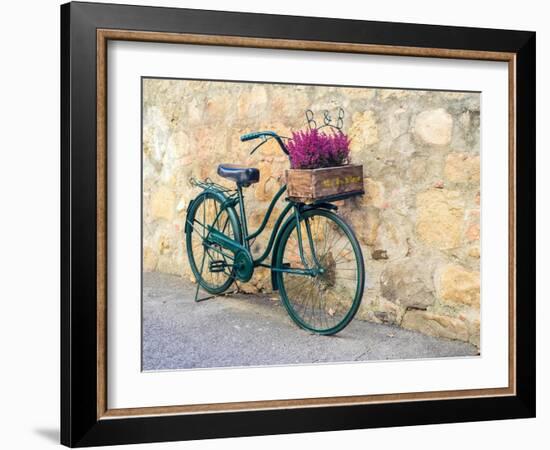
(316,261)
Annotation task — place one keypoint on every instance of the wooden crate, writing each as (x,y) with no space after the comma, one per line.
(309,185)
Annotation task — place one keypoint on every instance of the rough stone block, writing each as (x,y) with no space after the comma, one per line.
(374,193)
(462,168)
(408,282)
(162,203)
(440,218)
(458,286)
(363,131)
(150,259)
(435,325)
(434,126)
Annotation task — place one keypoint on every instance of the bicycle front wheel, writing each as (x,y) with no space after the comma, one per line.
(327,302)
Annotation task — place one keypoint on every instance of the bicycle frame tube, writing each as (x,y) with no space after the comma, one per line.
(267,214)
(244,224)
(311,245)
(246,238)
(265,254)
(299,232)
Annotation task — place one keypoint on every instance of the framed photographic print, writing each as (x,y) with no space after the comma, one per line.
(277,224)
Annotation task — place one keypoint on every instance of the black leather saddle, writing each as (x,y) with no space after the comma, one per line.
(243,176)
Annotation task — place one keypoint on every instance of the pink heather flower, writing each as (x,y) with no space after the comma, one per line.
(313,149)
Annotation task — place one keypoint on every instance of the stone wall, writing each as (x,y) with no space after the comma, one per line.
(418,223)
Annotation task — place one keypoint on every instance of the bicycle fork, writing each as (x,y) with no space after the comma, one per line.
(319,268)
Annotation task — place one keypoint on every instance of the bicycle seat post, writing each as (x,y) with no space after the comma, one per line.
(244,224)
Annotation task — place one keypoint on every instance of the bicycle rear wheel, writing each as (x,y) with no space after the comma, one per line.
(327,302)
(212,270)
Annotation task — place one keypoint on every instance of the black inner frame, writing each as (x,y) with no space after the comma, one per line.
(79,424)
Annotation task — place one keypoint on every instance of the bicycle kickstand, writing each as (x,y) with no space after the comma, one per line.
(197,299)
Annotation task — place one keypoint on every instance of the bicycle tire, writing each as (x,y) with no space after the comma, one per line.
(343,307)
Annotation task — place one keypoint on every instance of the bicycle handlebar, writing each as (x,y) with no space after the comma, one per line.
(255,135)
(259,134)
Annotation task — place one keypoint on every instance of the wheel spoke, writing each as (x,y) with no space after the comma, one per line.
(326,302)
(212,214)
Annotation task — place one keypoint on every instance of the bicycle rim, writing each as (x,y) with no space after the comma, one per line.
(326,303)
(202,259)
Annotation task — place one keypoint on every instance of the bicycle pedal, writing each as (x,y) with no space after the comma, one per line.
(217,266)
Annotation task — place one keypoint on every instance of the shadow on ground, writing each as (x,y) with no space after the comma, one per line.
(255,330)
(49,434)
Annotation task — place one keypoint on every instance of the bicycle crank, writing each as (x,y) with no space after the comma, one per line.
(243,265)
(217,266)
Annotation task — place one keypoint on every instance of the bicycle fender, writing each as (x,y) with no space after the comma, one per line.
(187,227)
(320,205)
(222,197)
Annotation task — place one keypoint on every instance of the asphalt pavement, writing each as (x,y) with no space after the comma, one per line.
(255,330)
